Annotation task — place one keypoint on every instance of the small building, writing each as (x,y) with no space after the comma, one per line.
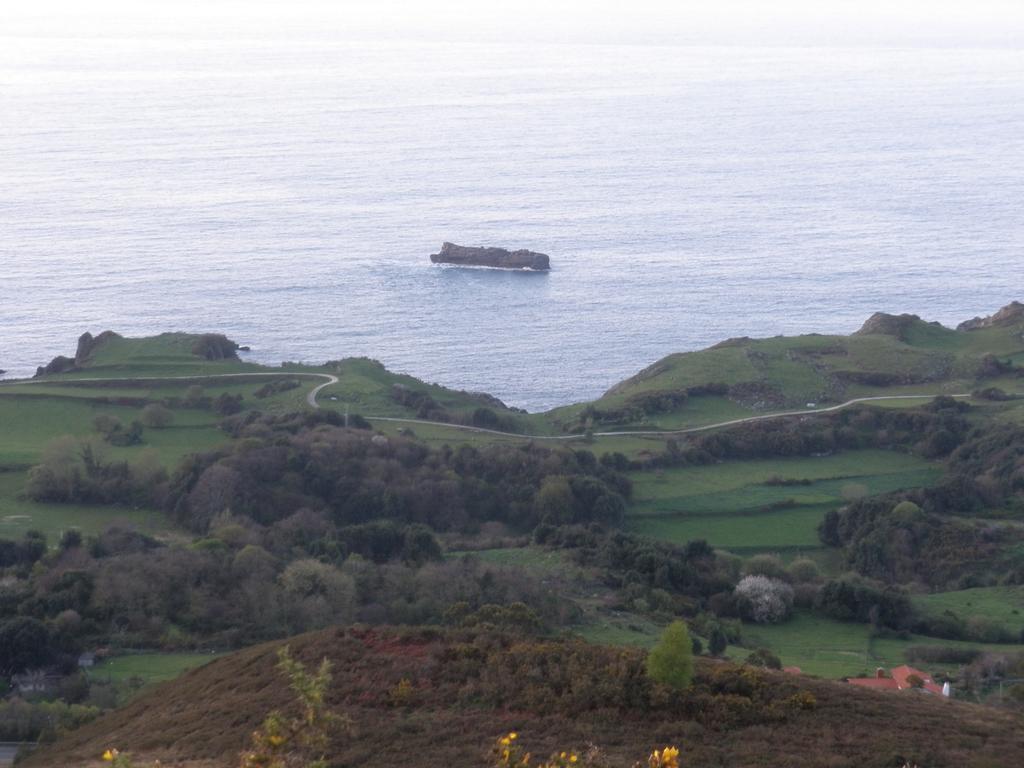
(86,660)
(901,678)
(35,681)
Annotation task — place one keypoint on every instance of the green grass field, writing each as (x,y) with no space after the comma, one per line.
(1004,605)
(828,648)
(784,530)
(149,667)
(820,646)
(19,515)
(732,506)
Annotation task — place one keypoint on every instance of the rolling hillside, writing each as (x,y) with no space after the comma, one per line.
(469,687)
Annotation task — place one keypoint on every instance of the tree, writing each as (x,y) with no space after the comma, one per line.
(762,657)
(803,570)
(157,416)
(671,661)
(717,641)
(764,600)
(24,644)
(554,501)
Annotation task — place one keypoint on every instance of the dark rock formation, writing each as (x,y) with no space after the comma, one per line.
(215,346)
(888,325)
(491,257)
(1011,314)
(87,344)
(59,364)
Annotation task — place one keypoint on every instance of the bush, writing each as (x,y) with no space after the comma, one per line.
(766,565)
(803,570)
(157,416)
(762,657)
(717,641)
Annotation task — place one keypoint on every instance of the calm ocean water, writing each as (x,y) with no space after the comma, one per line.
(289,194)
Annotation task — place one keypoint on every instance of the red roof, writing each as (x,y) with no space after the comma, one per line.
(898,681)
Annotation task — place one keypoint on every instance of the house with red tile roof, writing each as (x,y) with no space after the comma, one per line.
(901,678)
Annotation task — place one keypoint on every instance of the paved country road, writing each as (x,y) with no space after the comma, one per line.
(8,749)
(331,379)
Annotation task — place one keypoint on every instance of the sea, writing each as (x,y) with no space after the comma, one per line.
(289,193)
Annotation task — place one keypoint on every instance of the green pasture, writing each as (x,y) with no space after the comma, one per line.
(1003,605)
(828,648)
(30,423)
(719,487)
(790,529)
(820,646)
(733,506)
(18,515)
(149,667)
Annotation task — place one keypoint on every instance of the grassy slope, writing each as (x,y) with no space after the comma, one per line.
(149,667)
(730,505)
(207,715)
(794,371)
(1004,605)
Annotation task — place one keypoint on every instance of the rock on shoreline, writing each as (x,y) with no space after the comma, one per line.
(491,257)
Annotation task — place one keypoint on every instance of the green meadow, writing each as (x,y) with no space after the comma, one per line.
(740,505)
(1003,605)
(19,515)
(148,667)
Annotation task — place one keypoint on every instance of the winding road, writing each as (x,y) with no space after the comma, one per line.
(330,379)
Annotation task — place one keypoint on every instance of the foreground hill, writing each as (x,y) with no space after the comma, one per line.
(469,686)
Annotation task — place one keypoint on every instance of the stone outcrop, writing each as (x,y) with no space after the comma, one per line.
(1010,315)
(215,346)
(87,344)
(498,258)
(888,325)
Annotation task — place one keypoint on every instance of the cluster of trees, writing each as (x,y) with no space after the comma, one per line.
(933,432)
(239,584)
(427,408)
(637,407)
(859,600)
(75,470)
(896,540)
(651,576)
(356,477)
(25,721)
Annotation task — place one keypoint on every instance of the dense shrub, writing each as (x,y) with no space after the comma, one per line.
(858,600)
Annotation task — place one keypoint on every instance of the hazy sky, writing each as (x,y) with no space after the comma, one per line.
(802,22)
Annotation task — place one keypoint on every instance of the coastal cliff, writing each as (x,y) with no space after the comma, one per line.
(491,257)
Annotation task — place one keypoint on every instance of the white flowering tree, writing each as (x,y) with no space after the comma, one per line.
(763,599)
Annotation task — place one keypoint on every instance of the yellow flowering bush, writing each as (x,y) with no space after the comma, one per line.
(298,741)
(508,753)
(120,759)
(667,758)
